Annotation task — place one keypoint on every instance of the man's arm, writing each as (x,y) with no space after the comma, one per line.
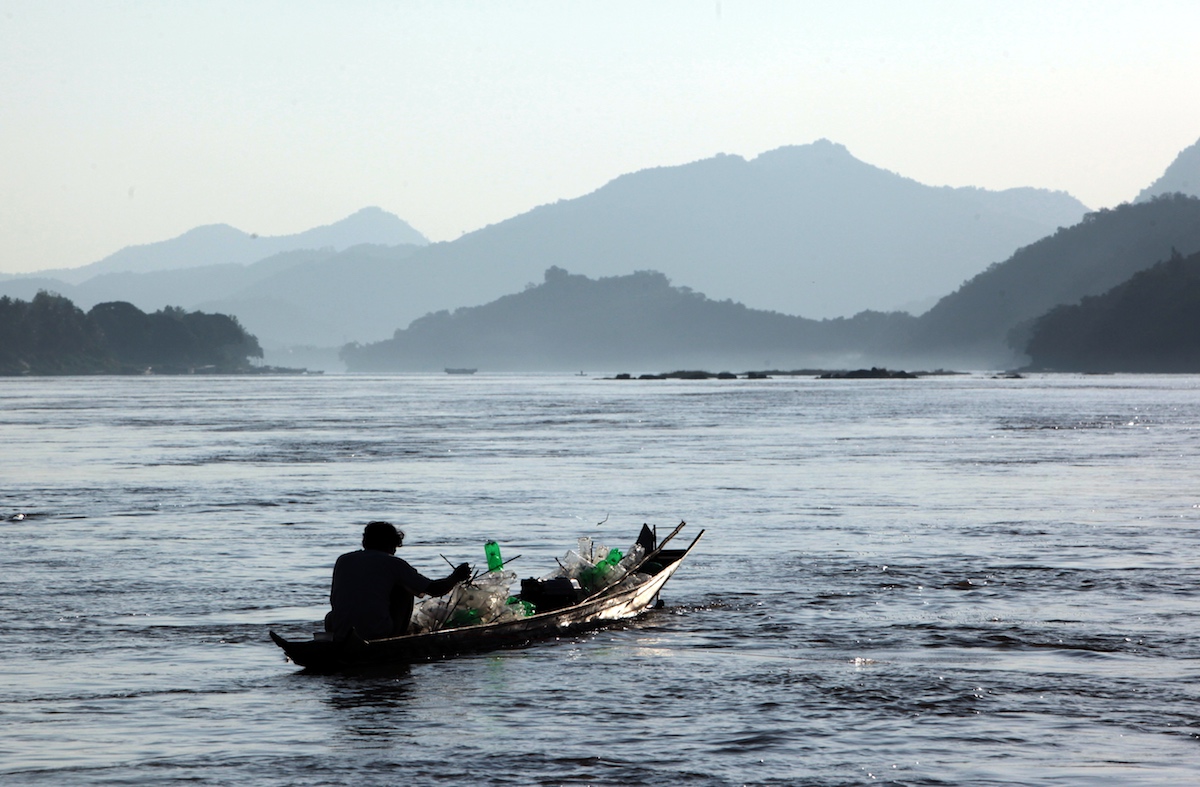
(440,587)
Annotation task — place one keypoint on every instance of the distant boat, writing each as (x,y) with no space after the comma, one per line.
(451,370)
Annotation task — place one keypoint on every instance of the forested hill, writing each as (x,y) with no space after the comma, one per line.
(984,324)
(1151,323)
(51,335)
(1182,176)
(617,323)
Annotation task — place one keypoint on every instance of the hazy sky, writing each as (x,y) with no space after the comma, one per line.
(130,122)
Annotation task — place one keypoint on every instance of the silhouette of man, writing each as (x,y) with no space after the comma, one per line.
(373,590)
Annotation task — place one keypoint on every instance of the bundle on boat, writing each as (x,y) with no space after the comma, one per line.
(484,599)
(589,587)
(593,569)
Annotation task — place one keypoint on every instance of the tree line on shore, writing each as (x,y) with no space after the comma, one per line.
(51,335)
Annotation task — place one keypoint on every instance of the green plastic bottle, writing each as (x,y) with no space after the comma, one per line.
(494,561)
(464,617)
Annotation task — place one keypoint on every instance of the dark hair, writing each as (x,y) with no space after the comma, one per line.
(382,536)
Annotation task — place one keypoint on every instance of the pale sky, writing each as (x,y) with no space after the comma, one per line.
(124,123)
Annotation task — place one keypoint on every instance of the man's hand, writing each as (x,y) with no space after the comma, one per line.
(462,573)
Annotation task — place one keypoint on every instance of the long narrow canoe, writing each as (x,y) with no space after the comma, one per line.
(621,602)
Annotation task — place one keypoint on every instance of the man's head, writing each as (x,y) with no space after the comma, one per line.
(382,536)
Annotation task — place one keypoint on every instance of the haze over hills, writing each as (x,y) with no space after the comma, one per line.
(319,303)
(1182,176)
(637,322)
(218,244)
(793,225)
(807,230)
(612,323)
(971,327)
(306,297)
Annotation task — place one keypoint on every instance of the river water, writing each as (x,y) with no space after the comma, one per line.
(944,581)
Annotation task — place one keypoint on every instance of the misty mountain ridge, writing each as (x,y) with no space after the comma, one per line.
(640,320)
(222,244)
(305,297)
(752,225)
(1182,176)
(985,323)
(320,301)
(806,229)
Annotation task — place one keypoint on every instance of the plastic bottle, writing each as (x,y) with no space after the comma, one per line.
(636,552)
(494,561)
(587,579)
(626,564)
(463,617)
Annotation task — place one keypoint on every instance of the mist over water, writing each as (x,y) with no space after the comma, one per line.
(954,580)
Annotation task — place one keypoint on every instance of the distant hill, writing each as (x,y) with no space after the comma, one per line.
(986,322)
(618,323)
(807,230)
(326,301)
(185,286)
(1182,176)
(1150,323)
(306,297)
(219,244)
(571,320)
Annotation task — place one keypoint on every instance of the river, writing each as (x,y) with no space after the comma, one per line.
(943,581)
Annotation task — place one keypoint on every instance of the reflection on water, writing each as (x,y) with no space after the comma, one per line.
(370,706)
(380,688)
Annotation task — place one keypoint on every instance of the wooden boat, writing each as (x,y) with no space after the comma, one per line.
(623,601)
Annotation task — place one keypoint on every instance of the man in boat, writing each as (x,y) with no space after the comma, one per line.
(373,590)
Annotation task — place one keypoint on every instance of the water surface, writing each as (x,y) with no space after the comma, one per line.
(941,581)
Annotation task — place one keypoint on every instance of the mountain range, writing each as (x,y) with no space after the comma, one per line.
(221,244)
(804,230)
(571,321)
